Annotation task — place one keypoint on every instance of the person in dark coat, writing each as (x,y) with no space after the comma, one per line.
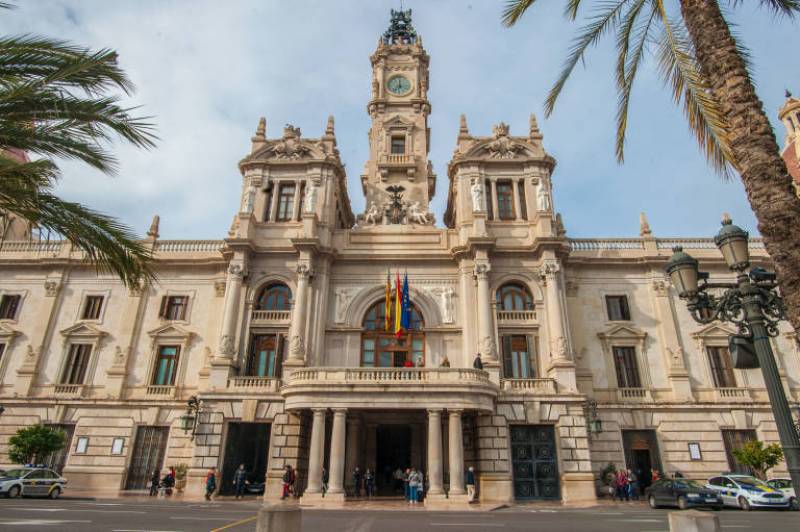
(288,482)
(357,481)
(155,480)
(477,363)
(211,482)
(369,482)
(470,482)
(239,481)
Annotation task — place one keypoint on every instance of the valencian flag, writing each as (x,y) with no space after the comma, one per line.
(398,307)
(387,326)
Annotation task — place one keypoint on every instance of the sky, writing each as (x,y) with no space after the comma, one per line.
(207,70)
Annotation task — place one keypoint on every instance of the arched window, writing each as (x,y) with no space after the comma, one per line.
(274,296)
(514,296)
(382,348)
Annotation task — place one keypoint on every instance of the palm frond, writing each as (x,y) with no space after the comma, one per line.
(514,10)
(628,65)
(679,70)
(25,190)
(605,19)
(780,7)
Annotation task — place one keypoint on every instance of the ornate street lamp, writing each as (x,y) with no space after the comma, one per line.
(752,304)
(194,407)
(594,425)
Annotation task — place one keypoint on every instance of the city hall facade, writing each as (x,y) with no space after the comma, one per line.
(278,330)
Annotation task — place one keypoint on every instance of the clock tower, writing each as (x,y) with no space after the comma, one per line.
(398,179)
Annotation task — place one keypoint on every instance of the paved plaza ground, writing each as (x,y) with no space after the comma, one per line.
(140,515)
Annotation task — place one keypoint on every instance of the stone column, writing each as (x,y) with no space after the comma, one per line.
(273,207)
(227,339)
(316,454)
(336,485)
(485,335)
(435,452)
(297,350)
(352,455)
(456,447)
(559,348)
(517,206)
(495,215)
(296,203)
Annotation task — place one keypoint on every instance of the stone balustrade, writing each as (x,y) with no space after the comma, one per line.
(729,394)
(396,159)
(530,386)
(157,390)
(634,395)
(516,316)
(35,246)
(261,384)
(389,375)
(73,390)
(590,244)
(260,317)
(188,246)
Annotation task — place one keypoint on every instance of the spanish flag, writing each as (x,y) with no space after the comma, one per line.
(388,304)
(398,307)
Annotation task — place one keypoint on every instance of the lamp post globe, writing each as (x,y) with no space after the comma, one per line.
(682,270)
(732,241)
(187,422)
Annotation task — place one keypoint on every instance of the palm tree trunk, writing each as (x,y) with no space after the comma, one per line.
(756,153)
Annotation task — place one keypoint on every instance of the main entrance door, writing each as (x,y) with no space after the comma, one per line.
(148,455)
(534,462)
(641,454)
(248,444)
(393,450)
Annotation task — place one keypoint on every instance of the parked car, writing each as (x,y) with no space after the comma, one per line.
(32,482)
(682,493)
(785,485)
(254,485)
(747,492)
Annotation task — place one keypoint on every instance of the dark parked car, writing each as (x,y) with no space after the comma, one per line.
(253,485)
(682,493)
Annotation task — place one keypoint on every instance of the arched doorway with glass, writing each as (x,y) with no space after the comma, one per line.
(384,349)
(267,341)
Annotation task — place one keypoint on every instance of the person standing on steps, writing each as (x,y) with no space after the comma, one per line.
(470,482)
(357,481)
(369,483)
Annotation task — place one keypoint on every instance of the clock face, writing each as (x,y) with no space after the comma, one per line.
(398,85)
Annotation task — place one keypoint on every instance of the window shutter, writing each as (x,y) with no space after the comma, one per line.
(507,371)
(162,312)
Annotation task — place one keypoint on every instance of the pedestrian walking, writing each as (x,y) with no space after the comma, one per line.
(414,486)
(369,483)
(155,480)
(325,477)
(622,485)
(239,481)
(477,363)
(406,487)
(469,480)
(288,482)
(633,485)
(357,481)
(211,482)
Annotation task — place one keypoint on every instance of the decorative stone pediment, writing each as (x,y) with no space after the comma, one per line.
(171,331)
(500,146)
(714,330)
(398,122)
(291,147)
(623,332)
(83,330)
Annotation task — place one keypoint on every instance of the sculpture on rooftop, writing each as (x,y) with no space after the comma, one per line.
(400,29)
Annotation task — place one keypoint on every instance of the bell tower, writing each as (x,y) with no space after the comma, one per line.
(398,179)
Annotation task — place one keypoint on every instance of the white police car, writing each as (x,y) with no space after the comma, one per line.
(31,481)
(747,492)
(785,485)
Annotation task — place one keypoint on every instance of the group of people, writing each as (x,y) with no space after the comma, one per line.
(165,485)
(162,486)
(628,486)
(365,480)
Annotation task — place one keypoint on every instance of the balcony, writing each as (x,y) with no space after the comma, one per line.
(397,160)
(158,390)
(634,395)
(68,390)
(270,317)
(529,386)
(254,384)
(734,394)
(515,317)
(404,388)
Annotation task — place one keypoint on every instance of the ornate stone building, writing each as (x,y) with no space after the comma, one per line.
(279,330)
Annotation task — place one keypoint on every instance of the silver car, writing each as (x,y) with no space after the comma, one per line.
(32,482)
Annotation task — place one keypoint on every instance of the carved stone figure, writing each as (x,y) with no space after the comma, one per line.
(476,189)
(486,347)
(375,87)
(503,147)
(543,199)
(290,147)
(226,344)
(373,215)
(445,297)
(416,215)
(248,199)
(219,288)
(236,270)
(481,270)
(562,350)
(51,287)
(343,298)
(296,347)
(153,231)
(311,199)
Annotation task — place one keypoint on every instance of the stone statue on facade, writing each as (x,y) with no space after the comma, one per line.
(445,296)
(486,347)
(290,146)
(476,189)
(297,349)
(416,215)
(373,216)
(503,147)
(311,199)
(249,199)
(226,344)
(343,298)
(543,198)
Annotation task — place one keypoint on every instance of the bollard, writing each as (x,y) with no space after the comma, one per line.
(279,518)
(693,521)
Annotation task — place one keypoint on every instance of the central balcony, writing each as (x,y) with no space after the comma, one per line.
(270,317)
(394,388)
